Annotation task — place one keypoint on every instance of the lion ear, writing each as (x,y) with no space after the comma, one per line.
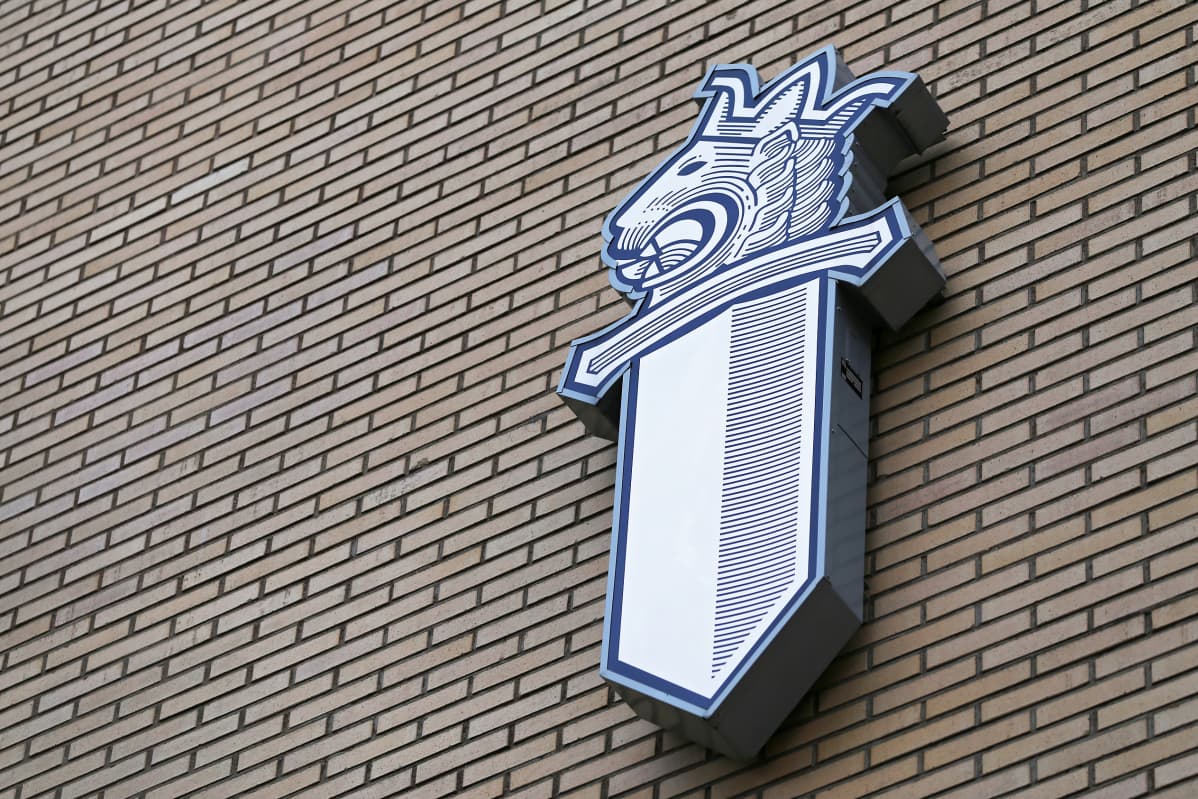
(785,103)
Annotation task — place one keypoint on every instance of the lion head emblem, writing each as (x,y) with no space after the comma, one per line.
(760,169)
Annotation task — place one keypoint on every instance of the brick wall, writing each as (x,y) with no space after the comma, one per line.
(289,507)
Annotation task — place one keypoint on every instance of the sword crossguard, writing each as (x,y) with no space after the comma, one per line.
(851,252)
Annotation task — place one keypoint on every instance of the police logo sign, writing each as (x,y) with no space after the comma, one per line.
(759,256)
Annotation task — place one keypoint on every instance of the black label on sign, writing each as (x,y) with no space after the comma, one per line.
(850,376)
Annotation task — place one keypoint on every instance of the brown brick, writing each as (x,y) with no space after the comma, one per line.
(914,541)
(1164,693)
(1087,645)
(943,580)
(1024,596)
(964,745)
(1110,585)
(1141,755)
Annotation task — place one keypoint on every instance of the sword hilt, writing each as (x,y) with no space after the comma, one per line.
(851,251)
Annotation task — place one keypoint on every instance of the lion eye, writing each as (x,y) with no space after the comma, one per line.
(693,166)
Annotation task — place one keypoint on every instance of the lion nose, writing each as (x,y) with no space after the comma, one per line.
(618,247)
(620,253)
(628,241)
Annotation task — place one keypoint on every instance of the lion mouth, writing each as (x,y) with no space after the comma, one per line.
(679,246)
(668,251)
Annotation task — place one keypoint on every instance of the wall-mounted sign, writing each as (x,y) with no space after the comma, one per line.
(759,256)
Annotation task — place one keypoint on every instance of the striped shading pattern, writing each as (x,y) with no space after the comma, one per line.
(762,465)
(817,182)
